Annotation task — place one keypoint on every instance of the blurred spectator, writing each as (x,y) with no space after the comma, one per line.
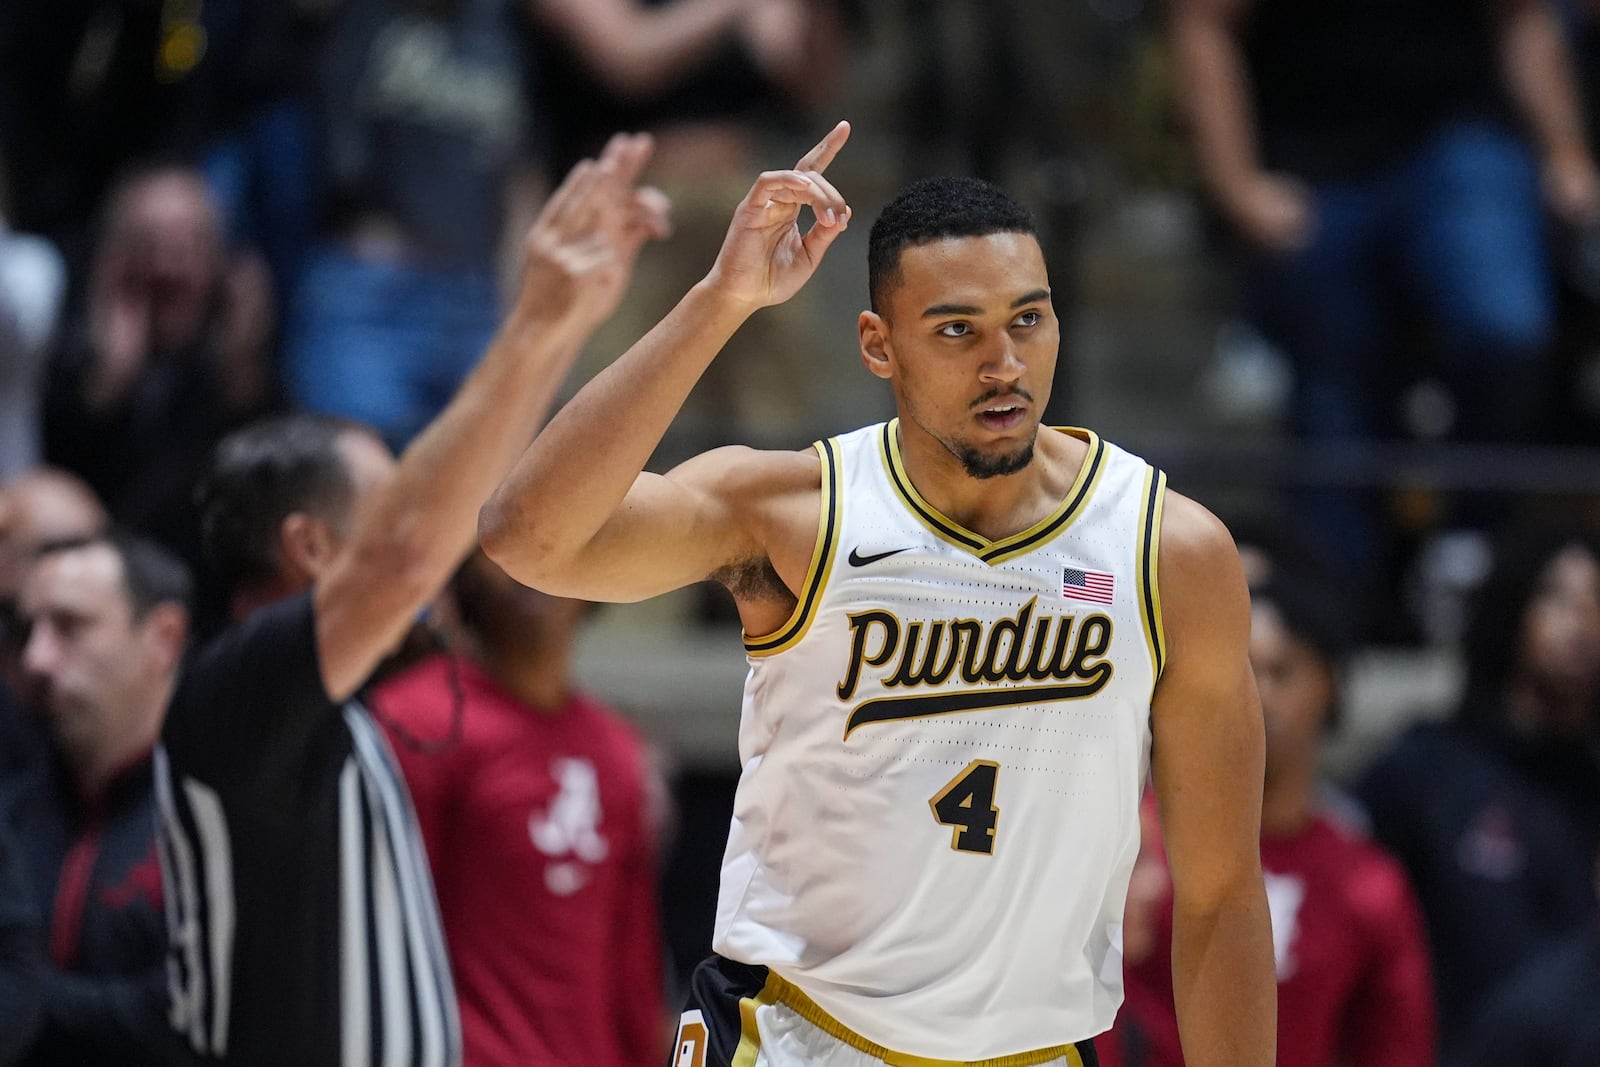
(431,171)
(1352,959)
(658,64)
(32,286)
(19,956)
(39,507)
(1544,1014)
(250,107)
(710,79)
(85,86)
(1371,156)
(171,351)
(107,622)
(1496,814)
(304,924)
(497,747)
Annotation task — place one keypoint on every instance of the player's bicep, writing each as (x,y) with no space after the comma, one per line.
(670,531)
(1208,744)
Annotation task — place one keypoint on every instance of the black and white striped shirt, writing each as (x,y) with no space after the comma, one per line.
(300,912)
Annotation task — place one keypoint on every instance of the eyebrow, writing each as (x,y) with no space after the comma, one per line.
(937,310)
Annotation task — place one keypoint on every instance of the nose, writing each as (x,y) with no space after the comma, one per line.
(41,653)
(1003,364)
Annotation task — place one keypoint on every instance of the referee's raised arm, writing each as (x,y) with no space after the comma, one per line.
(412,534)
(303,924)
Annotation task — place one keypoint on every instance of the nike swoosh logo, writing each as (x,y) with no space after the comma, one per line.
(858,560)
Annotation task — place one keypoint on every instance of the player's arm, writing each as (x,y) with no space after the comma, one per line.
(1214,91)
(417,529)
(577,516)
(1208,765)
(1539,74)
(1272,211)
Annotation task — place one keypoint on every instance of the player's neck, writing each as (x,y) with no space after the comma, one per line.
(1286,800)
(536,675)
(999,506)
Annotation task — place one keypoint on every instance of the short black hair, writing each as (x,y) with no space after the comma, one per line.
(261,474)
(1311,612)
(932,209)
(1316,614)
(151,575)
(1492,645)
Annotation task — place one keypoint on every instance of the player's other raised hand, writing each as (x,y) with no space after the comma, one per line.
(765,259)
(581,250)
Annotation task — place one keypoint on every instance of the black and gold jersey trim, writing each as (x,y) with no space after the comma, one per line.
(779,991)
(1155,493)
(1007,547)
(822,556)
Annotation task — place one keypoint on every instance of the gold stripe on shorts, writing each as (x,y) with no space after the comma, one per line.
(779,991)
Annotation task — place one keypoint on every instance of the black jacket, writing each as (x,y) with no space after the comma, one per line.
(90,873)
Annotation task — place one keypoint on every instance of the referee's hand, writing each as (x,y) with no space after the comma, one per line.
(581,251)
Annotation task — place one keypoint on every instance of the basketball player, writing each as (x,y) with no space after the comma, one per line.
(963,633)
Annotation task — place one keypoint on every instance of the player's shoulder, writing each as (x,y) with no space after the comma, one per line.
(600,716)
(1190,533)
(745,463)
(1374,881)
(745,476)
(1197,560)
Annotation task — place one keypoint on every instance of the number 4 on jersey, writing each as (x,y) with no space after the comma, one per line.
(967,804)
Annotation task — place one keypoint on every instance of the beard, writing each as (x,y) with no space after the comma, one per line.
(981,466)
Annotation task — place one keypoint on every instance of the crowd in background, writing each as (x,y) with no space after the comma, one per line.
(213,212)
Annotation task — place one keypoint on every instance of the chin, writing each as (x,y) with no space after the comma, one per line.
(982,465)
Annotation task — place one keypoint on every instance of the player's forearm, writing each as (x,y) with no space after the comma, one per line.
(1214,97)
(1539,77)
(574,476)
(1223,981)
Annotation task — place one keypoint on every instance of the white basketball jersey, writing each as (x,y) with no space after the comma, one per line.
(943,752)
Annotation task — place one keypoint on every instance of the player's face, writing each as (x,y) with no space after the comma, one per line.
(969,339)
(1561,631)
(1296,688)
(86,658)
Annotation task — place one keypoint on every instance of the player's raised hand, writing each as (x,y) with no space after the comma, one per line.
(765,259)
(581,251)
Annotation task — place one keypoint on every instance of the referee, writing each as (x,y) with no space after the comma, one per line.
(301,917)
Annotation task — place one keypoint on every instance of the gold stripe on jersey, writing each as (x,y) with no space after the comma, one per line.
(789,634)
(792,998)
(1007,547)
(1155,495)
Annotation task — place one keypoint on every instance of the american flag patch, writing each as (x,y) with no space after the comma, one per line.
(1093,586)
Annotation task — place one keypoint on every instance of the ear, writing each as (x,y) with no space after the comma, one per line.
(167,628)
(306,546)
(875,350)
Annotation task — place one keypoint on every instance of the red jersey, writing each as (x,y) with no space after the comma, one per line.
(1354,984)
(538,831)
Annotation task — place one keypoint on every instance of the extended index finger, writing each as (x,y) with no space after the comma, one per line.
(625,157)
(819,157)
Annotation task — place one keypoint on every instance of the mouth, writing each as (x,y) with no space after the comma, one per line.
(1002,415)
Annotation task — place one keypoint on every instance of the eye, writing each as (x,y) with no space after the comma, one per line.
(1029,318)
(954,329)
